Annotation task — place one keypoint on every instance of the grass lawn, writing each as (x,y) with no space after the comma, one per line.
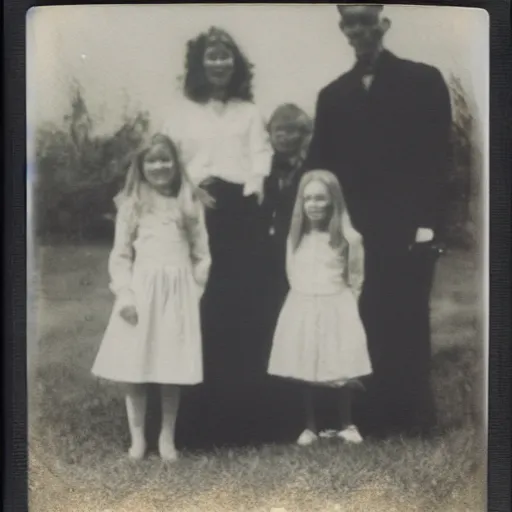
(78,433)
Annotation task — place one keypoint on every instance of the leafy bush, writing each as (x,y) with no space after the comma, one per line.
(78,173)
(463,190)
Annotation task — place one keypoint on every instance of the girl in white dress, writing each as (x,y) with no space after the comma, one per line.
(319,338)
(158,267)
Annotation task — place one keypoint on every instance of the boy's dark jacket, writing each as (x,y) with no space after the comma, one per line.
(279,202)
(389,146)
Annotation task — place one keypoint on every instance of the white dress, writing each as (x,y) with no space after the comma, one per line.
(319,336)
(162,270)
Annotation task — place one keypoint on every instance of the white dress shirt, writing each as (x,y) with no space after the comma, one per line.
(223,140)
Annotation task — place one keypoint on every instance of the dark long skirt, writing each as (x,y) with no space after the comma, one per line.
(395,311)
(238,403)
(284,397)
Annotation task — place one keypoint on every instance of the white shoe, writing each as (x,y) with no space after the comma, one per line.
(350,435)
(307,437)
(167,450)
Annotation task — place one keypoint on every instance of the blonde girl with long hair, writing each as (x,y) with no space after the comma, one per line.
(158,267)
(319,340)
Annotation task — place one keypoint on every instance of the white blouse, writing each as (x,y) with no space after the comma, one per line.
(223,140)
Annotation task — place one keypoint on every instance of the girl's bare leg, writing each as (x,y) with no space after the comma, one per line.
(136,399)
(170,403)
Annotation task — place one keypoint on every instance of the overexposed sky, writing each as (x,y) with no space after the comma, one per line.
(131,55)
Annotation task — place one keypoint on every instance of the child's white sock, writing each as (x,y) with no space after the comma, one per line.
(170,403)
(136,412)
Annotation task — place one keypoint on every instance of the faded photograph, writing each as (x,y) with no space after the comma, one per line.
(257,240)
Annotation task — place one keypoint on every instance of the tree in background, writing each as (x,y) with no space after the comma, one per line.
(463,191)
(78,173)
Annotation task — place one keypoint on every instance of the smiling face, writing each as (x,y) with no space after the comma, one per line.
(159,167)
(317,203)
(219,65)
(364,28)
(286,137)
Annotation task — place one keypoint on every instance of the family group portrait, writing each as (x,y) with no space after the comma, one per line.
(256,257)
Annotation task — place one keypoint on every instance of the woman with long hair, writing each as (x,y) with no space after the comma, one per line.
(224,145)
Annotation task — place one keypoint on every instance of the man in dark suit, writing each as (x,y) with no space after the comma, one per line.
(383,128)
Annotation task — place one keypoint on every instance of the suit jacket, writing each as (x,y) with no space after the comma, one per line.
(389,146)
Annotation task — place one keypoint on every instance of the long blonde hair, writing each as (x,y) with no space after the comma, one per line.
(299,223)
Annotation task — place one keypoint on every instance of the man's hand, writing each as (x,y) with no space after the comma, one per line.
(424,235)
(129,314)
